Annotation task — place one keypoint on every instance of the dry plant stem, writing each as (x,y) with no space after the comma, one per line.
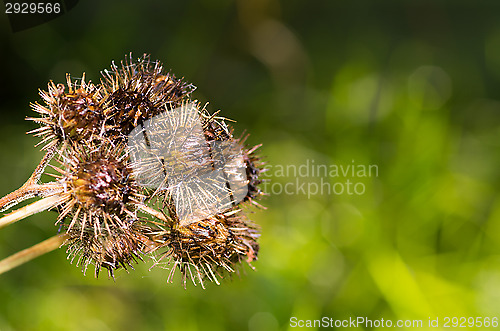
(31,188)
(30,209)
(34,251)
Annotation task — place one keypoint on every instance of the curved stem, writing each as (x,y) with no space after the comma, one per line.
(31,188)
(31,209)
(34,251)
(28,191)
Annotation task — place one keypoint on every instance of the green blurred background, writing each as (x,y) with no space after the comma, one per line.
(411,87)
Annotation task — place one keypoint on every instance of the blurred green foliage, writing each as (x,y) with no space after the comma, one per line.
(411,87)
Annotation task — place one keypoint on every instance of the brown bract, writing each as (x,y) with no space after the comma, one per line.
(100,191)
(138,91)
(120,249)
(210,248)
(71,113)
(142,170)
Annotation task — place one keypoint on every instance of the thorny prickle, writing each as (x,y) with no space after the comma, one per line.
(142,171)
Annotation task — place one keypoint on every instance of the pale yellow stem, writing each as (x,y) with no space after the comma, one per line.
(31,188)
(35,207)
(34,251)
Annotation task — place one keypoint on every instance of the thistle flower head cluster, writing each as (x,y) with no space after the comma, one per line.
(144,171)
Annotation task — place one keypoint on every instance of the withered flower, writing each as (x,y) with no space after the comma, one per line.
(100,193)
(138,91)
(216,130)
(73,115)
(112,251)
(209,248)
(142,171)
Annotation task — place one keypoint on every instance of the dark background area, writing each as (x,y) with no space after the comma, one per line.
(411,87)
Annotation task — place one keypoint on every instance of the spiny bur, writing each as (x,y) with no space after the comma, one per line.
(143,171)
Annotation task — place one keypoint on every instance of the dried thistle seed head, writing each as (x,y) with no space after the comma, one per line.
(217,130)
(112,251)
(102,183)
(209,248)
(193,177)
(137,91)
(70,115)
(101,193)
